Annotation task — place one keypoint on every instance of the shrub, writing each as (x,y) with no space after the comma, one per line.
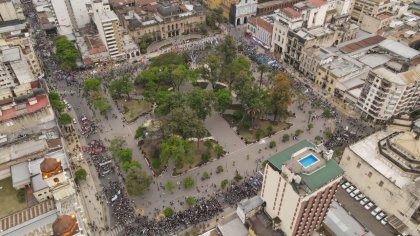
(219,150)
(188,182)
(238,177)
(272,144)
(208,143)
(285,138)
(219,169)
(259,133)
(298,132)
(270,130)
(168,212)
(190,201)
(156,164)
(205,176)
(80,174)
(20,195)
(224,183)
(205,157)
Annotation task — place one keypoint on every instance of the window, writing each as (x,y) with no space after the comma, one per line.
(381,183)
(358,164)
(370,174)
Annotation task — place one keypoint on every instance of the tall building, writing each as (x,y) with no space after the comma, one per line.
(80,12)
(385,168)
(10,10)
(298,187)
(108,27)
(369,8)
(62,12)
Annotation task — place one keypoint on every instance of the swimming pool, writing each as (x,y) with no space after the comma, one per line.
(308,160)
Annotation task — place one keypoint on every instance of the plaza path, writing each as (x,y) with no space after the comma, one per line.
(219,128)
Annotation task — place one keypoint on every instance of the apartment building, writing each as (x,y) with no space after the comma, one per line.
(298,187)
(373,8)
(61,12)
(312,58)
(163,20)
(108,26)
(14,69)
(385,168)
(261,29)
(10,10)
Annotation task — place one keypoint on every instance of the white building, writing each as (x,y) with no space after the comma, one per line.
(80,12)
(298,187)
(385,168)
(62,15)
(243,11)
(10,10)
(109,29)
(261,29)
(14,69)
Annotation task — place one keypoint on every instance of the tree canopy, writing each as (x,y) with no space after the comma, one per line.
(120,86)
(200,101)
(91,84)
(223,99)
(168,59)
(185,123)
(137,181)
(80,174)
(177,149)
(66,52)
(65,119)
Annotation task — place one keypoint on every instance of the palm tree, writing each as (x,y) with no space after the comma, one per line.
(262,68)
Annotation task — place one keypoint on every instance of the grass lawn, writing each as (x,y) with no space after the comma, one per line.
(149,148)
(134,108)
(249,135)
(8,200)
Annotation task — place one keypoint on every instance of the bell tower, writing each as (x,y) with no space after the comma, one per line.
(52,172)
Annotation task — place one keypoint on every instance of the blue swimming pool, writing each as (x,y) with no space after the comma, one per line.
(308,160)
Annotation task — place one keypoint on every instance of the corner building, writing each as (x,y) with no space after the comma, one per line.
(298,187)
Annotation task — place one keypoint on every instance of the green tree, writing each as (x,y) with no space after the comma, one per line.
(298,132)
(310,126)
(227,48)
(259,133)
(212,69)
(137,181)
(177,149)
(223,99)
(57,105)
(318,138)
(188,182)
(190,201)
(91,84)
(127,165)
(262,68)
(168,101)
(184,122)
(285,138)
(117,143)
(65,119)
(205,157)
(281,96)
(54,96)
(236,72)
(120,86)
(328,133)
(66,52)
(168,212)
(180,75)
(214,17)
(169,186)
(272,144)
(327,113)
(168,59)
(124,155)
(237,177)
(102,105)
(200,101)
(253,100)
(219,169)
(80,174)
(205,176)
(219,150)
(224,183)
(140,131)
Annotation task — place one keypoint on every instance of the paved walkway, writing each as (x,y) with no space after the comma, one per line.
(219,128)
(172,41)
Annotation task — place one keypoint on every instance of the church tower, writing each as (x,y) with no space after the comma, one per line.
(56,179)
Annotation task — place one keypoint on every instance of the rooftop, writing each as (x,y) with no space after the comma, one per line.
(355,46)
(290,12)
(314,176)
(24,108)
(250,204)
(17,151)
(233,228)
(367,149)
(399,49)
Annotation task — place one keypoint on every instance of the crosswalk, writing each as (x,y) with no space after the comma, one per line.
(116,231)
(26,214)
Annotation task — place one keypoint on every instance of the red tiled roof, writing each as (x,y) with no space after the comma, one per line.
(42,101)
(290,12)
(35,84)
(264,24)
(316,3)
(351,47)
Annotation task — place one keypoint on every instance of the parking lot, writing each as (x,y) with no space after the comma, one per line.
(361,214)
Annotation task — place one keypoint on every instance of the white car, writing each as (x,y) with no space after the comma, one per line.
(74,121)
(355,193)
(364,201)
(345,185)
(380,216)
(376,211)
(359,197)
(384,221)
(350,189)
(65,102)
(369,205)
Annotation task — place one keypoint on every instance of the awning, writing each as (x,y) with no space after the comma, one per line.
(396,223)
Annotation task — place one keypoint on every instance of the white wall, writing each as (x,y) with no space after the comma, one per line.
(64,25)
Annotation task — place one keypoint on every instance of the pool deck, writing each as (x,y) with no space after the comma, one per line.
(297,167)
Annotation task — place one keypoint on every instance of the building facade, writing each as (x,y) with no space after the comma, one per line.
(384,166)
(242,11)
(61,13)
(14,68)
(269,7)
(261,29)
(368,7)
(298,187)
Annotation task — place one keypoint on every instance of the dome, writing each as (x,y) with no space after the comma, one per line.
(64,225)
(49,165)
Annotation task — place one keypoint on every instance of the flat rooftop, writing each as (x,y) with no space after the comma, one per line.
(314,176)
(367,149)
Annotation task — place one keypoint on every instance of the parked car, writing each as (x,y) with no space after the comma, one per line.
(355,193)
(380,216)
(345,185)
(74,121)
(376,211)
(364,201)
(369,205)
(350,189)
(384,221)
(359,197)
